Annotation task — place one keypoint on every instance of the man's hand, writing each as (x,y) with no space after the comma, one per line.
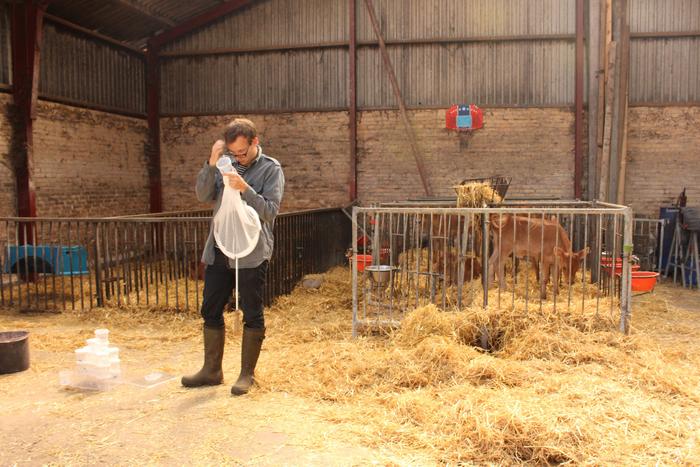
(216,151)
(236,182)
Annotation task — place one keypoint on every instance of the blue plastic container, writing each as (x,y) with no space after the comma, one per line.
(61,260)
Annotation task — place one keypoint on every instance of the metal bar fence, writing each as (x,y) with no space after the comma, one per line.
(649,242)
(579,252)
(81,263)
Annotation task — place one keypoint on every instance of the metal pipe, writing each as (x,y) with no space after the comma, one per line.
(63,281)
(485,258)
(70,271)
(3,261)
(463,211)
(354,273)
(661,243)
(35,271)
(626,292)
(87,266)
(578,99)
(352,98)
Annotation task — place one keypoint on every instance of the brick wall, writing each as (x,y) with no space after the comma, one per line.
(93,163)
(663,157)
(533,146)
(312,147)
(8,201)
(89,163)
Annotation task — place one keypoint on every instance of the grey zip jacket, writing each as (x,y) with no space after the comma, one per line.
(266,181)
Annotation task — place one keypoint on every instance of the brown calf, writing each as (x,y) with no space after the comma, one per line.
(448,263)
(548,242)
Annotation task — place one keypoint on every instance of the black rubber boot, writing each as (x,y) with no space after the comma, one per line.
(250,351)
(211,373)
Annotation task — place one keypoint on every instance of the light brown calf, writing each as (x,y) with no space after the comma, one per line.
(542,240)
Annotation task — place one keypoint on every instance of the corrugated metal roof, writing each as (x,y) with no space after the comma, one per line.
(663,15)
(77,68)
(506,73)
(665,70)
(273,22)
(130,21)
(400,19)
(292,80)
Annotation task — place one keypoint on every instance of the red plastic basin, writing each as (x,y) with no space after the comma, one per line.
(644,281)
(362,261)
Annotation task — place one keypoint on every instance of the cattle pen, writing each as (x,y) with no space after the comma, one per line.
(58,264)
(409,256)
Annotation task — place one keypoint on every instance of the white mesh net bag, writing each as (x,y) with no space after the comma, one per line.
(236,225)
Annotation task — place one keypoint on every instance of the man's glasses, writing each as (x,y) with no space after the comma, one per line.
(239,153)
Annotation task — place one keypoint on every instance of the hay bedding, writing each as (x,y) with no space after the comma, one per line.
(563,386)
(476,195)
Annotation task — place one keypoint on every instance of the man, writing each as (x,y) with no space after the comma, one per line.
(260,181)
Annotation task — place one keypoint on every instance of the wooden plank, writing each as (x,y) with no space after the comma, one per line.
(624,95)
(619,22)
(594,84)
(603,77)
(607,129)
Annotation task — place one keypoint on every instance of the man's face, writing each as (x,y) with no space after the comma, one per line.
(242,151)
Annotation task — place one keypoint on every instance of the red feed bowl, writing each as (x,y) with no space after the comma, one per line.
(362,261)
(644,281)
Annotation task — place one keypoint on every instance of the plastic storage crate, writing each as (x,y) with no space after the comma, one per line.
(61,260)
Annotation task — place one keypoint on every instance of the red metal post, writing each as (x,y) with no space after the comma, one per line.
(578,100)
(352,97)
(27,21)
(153,119)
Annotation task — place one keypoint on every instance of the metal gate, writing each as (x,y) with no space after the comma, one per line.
(405,256)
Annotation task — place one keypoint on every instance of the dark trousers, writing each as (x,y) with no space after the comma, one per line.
(219,283)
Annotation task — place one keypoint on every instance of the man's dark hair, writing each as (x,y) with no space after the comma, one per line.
(240,127)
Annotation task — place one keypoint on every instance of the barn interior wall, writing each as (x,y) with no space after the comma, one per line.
(8,189)
(104,152)
(534,146)
(312,147)
(89,163)
(663,157)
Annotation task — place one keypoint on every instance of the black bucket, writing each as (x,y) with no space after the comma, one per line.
(14,351)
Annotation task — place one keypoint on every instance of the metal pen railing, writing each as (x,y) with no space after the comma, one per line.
(81,263)
(408,256)
(649,241)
